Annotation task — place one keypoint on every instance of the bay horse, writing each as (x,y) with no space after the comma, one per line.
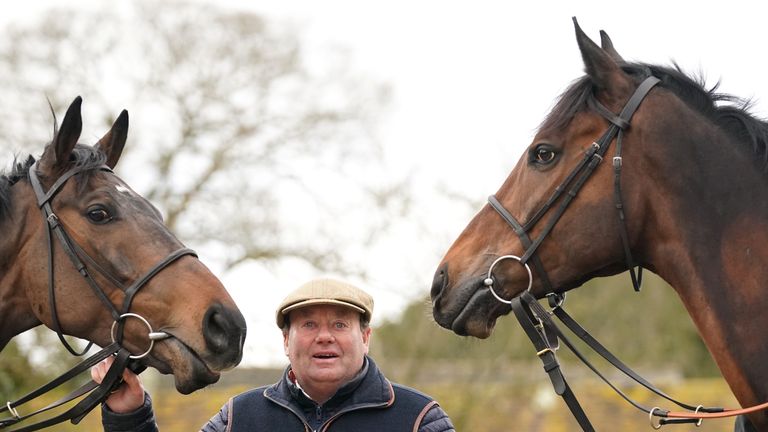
(99,255)
(681,192)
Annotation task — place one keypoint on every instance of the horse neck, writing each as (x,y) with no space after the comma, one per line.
(16,314)
(709,239)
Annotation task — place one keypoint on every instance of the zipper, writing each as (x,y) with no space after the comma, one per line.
(324,427)
(299,415)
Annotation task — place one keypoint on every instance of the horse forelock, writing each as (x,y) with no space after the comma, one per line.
(88,159)
(19,170)
(731,113)
(83,157)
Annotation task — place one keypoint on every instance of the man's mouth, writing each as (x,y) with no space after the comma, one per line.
(325,356)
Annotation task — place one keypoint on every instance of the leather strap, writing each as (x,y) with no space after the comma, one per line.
(525,240)
(109,381)
(597,347)
(533,326)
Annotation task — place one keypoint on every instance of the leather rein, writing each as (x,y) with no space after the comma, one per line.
(537,322)
(95,393)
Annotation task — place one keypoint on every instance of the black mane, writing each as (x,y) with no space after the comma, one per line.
(86,157)
(731,113)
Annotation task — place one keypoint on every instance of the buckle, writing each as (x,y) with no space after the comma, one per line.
(53,220)
(544,352)
(555,301)
(12,410)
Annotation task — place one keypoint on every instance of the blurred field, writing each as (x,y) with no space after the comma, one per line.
(483,407)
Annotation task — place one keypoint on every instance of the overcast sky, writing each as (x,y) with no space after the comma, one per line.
(471,81)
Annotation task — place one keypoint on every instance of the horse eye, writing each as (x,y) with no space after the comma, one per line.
(543,154)
(98,215)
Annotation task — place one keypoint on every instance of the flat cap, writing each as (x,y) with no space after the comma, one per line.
(326,291)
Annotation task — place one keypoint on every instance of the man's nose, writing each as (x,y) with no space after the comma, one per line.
(324,334)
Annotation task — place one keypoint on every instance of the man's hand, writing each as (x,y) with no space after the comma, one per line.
(129,396)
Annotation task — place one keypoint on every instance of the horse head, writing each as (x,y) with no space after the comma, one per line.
(101,265)
(636,165)
(532,194)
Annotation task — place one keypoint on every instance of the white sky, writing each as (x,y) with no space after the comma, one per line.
(471,81)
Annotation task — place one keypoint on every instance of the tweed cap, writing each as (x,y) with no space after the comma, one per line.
(326,292)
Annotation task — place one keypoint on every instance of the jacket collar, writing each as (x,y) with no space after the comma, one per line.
(368,387)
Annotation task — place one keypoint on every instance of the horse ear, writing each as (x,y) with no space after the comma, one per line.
(607,44)
(112,142)
(599,64)
(56,154)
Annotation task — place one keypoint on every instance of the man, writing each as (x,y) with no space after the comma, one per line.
(330,385)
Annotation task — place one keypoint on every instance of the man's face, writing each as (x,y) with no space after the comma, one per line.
(326,346)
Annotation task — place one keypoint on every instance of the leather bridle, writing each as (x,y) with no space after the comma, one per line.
(83,262)
(538,323)
(569,188)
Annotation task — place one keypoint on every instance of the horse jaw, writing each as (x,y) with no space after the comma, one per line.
(190,372)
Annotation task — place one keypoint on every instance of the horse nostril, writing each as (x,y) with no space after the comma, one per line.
(224,330)
(439,282)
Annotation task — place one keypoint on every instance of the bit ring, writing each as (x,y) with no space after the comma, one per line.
(489,278)
(152,334)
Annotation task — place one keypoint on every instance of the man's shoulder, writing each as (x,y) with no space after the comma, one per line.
(403,391)
(431,418)
(254,392)
(257,395)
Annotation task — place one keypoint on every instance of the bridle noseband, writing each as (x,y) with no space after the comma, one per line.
(83,262)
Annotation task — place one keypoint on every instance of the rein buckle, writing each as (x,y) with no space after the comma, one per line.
(545,351)
(12,410)
(53,220)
